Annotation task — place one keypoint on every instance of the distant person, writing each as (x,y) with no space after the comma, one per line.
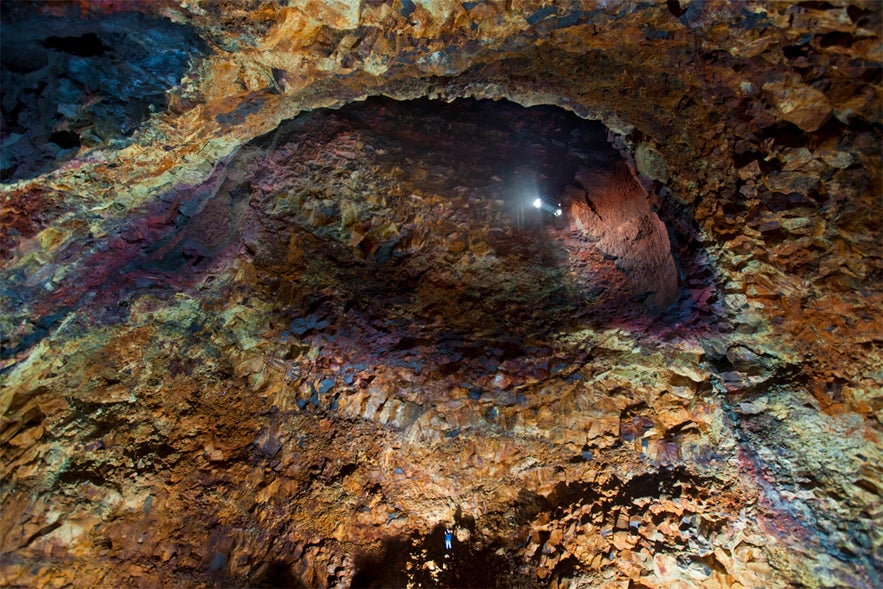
(449,533)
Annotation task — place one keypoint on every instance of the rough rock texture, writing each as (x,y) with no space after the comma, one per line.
(69,84)
(238,351)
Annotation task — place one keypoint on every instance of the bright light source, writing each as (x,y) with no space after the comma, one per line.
(558,212)
(538,203)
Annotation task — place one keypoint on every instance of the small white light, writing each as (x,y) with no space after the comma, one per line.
(558,212)
(538,203)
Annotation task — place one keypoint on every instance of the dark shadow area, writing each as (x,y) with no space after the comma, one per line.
(88,45)
(424,561)
(384,567)
(70,82)
(279,574)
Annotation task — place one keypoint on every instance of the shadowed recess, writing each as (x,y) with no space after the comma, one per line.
(73,82)
(473,230)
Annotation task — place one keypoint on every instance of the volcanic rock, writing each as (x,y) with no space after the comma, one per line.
(289,288)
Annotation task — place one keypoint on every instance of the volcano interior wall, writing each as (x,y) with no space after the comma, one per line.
(248,339)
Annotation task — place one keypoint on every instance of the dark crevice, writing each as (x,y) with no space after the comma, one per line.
(835,38)
(65,139)
(855,12)
(88,45)
(674,6)
(80,473)
(795,51)
(740,160)
(786,134)
(279,574)
(816,5)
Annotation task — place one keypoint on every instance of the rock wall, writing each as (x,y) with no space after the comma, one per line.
(614,210)
(229,355)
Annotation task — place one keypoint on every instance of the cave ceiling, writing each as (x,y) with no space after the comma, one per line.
(289,287)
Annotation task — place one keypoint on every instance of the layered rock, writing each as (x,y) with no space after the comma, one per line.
(239,352)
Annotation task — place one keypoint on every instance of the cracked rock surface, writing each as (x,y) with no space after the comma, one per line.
(277,307)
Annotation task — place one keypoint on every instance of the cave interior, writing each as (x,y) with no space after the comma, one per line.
(289,289)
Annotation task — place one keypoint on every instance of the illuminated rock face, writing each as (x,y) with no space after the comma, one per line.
(249,341)
(615,211)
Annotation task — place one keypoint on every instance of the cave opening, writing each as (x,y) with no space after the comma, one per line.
(375,195)
(294,360)
(405,233)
